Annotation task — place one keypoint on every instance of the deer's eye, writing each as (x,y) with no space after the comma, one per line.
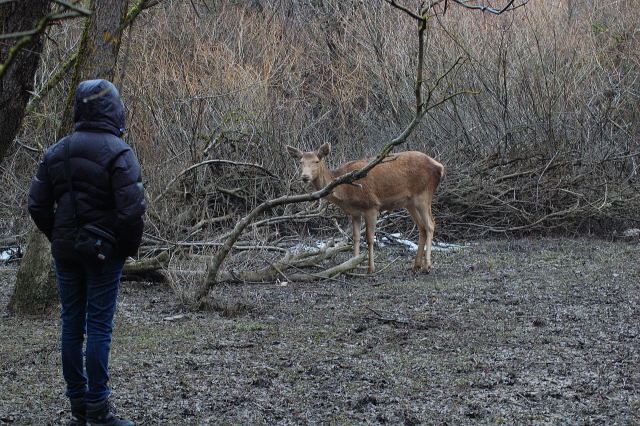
(317,162)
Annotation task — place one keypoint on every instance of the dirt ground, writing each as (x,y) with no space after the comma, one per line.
(531,331)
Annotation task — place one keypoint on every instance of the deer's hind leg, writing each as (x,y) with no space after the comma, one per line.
(417,218)
(430,229)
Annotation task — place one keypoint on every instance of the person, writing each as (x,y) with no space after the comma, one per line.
(105,189)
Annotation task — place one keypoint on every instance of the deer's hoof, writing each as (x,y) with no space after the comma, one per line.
(421,268)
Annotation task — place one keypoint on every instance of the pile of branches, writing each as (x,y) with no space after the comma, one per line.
(532,192)
(538,193)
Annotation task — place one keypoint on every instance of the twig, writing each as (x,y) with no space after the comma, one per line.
(204,163)
(51,83)
(378,272)
(204,222)
(135,11)
(72,6)
(382,318)
(508,7)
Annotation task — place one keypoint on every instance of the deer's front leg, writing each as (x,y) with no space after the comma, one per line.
(355,225)
(370,218)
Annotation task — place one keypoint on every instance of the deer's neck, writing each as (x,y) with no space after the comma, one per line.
(325,175)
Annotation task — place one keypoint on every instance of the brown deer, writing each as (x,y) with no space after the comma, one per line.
(403,180)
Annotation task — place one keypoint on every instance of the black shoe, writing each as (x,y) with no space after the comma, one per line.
(78,412)
(100,414)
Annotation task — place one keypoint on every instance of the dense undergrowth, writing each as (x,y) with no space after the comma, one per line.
(547,144)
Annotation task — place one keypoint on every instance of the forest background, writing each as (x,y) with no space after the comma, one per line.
(545,142)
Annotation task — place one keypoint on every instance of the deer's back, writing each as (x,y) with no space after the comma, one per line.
(391,184)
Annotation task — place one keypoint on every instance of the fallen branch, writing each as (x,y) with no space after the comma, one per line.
(147,269)
(289,260)
(331,272)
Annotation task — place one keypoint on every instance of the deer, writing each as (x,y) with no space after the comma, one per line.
(403,180)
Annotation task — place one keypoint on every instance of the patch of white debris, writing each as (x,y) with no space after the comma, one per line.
(631,233)
(390,239)
(437,246)
(5,255)
(303,248)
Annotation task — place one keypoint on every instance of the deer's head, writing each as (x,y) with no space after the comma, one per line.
(310,163)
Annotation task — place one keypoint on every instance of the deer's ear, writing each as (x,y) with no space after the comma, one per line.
(294,152)
(324,150)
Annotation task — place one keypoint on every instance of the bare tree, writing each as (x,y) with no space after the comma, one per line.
(424,102)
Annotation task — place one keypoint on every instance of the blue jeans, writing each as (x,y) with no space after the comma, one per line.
(88,297)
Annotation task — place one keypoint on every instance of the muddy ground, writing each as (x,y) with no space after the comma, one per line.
(539,331)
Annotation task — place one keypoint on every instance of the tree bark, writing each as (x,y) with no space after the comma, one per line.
(147,269)
(97,58)
(17,83)
(99,48)
(35,268)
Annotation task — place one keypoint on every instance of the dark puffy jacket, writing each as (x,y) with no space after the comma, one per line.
(105,176)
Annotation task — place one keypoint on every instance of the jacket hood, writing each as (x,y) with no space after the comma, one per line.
(98,107)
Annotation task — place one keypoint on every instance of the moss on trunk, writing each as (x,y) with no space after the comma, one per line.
(36,291)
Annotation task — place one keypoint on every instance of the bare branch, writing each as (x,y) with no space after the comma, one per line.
(136,10)
(72,6)
(26,37)
(510,6)
(469,4)
(203,163)
(54,16)
(51,83)
(405,10)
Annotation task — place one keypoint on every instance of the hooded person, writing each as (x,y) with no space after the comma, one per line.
(91,177)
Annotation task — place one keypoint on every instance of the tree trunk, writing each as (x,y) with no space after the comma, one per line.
(17,83)
(35,268)
(97,58)
(98,53)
